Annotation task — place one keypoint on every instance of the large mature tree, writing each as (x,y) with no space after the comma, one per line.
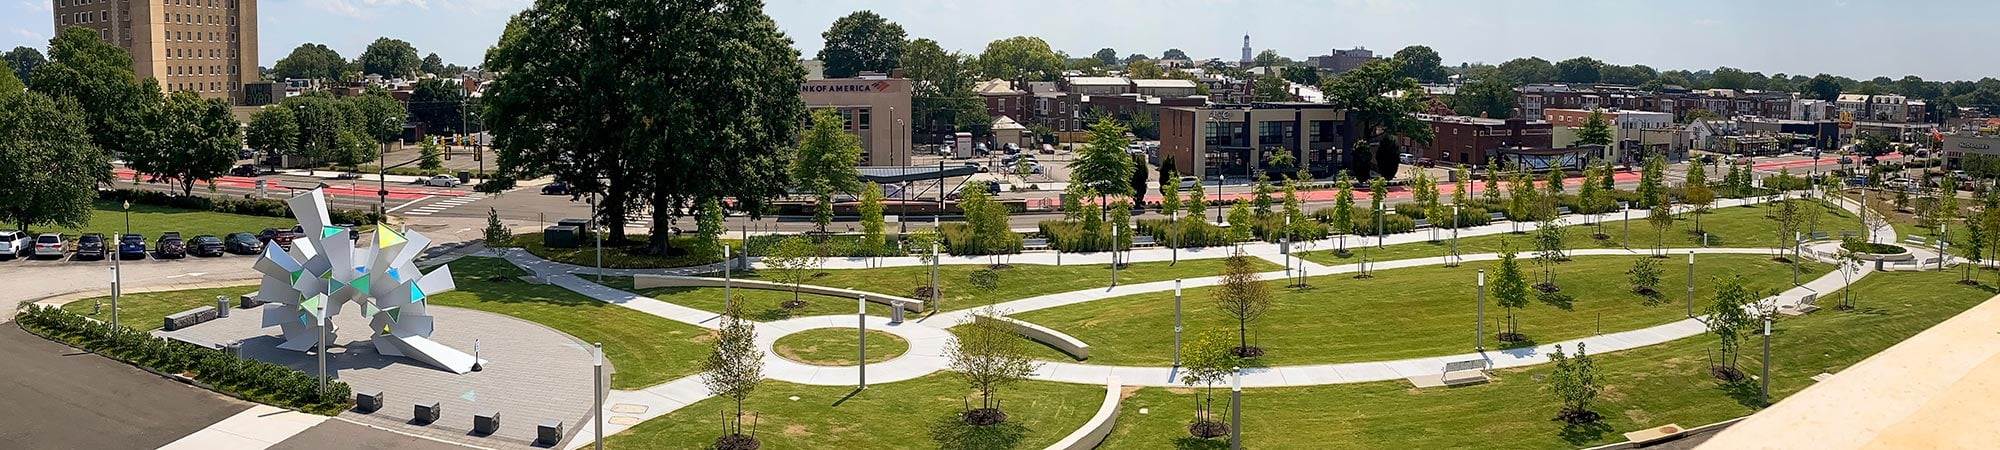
(440,105)
(1271,58)
(1271,88)
(197,142)
(390,58)
(273,130)
(1595,130)
(1020,59)
(1107,56)
(943,99)
(1244,297)
(321,123)
(1173,53)
(1486,97)
(49,169)
(1633,75)
(1581,69)
(825,164)
(1377,116)
(1822,86)
(1134,57)
(1144,69)
(1519,71)
(643,103)
(98,76)
(23,60)
(1105,164)
(861,41)
(1422,63)
(381,116)
(432,64)
(310,61)
(988,356)
(1305,75)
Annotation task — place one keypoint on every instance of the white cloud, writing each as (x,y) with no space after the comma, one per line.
(29,34)
(340,8)
(43,6)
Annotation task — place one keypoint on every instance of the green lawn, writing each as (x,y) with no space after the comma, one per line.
(153,220)
(1641,388)
(645,349)
(1404,313)
(1018,282)
(758,304)
(626,255)
(835,346)
(143,311)
(1726,227)
(919,413)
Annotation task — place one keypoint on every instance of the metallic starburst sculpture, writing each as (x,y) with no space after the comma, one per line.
(324,271)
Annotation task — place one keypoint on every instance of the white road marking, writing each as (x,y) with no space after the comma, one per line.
(412,202)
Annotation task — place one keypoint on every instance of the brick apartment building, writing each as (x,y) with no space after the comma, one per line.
(1003,100)
(205,46)
(1471,140)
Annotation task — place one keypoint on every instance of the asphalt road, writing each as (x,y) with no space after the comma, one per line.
(343,435)
(56,397)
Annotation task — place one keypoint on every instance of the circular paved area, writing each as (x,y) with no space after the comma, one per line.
(532,372)
(926,352)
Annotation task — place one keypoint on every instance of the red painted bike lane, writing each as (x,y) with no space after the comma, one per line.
(353,189)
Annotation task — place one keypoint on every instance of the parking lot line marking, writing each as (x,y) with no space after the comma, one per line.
(411,202)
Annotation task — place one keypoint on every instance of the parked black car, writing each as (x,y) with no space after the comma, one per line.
(205,245)
(281,237)
(556,188)
(132,246)
(245,170)
(170,245)
(90,245)
(242,244)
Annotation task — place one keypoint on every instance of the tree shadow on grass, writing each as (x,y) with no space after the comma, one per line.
(1557,299)
(951,433)
(1580,434)
(1193,443)
(1744,392)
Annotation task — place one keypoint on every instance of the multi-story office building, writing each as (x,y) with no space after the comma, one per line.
(1240,140)
(875,108)
(204,46)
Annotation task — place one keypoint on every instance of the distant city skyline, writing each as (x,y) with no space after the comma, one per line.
(1860,39)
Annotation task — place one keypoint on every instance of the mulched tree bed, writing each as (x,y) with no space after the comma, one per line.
(1247,351)
(983,417)
(1512,337)
(1645,291)
(1578,417)
(923,292)
(1207,429)
(1726,373)
(1547,288)
(737,442)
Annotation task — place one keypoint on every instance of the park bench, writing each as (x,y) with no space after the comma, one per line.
(1918,240)
(1422,224)
(1034,244)
(1496,217)
(1817,235)
(188,318)
(1562,210)
(1144,241)
(1464,372)
(1844,234)
(1806,305)
(1927,262)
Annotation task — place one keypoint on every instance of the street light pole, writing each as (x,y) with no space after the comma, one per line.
(861,321)
(1114,256)
(1690,283)
(1177,323)
(1454,235)
(597,390)
(1764,393)
(727,280)
(1236,408)
(1479,327)
(322,347)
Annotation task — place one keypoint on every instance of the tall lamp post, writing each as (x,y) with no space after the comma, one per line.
(597,390)
(1177,238)
(861,322)
(1177,323)
(1236,408)
(1764,393)
(1479,327)
(1455,259)
(1690,283)
(117,268)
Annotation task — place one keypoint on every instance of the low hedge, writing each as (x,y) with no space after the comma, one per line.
(1364,224)
(264,207)
(1873,248)
(837,245)
(1072,237)
(959,240)
(1195,232)
(247,378)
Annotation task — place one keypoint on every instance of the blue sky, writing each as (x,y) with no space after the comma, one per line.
(1858,38)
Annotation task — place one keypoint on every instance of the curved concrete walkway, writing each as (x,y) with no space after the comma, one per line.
(926,353)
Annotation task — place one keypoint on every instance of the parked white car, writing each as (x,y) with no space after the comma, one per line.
(442,181)
(15,244)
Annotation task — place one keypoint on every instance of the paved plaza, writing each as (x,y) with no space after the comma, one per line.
(533,373)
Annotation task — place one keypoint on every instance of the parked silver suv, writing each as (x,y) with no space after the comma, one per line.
(50,245)
(16,244)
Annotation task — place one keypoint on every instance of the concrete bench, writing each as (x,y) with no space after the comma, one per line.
(249,301)
(427,413)
(1464,372)
(549,432)
(486,422)
(1919,240)
(188,318)
(1034,244)
(366,402)
(1067,344)
(1927,262)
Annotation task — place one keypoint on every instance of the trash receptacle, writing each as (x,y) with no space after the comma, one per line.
(464,176)
(559,237)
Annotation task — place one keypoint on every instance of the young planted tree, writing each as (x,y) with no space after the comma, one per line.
(1574,384)
(872,222)
(498,237)
(1645,276)
(1294,209)
(988,356)
(1105,165)
(1586,193)
(1520,199)
(1661,218)
(1208,360)
(733,371)
(1975,237)
(1510,291)
(1197,201)
(430,157)
(794,260)
(1170,189)
(1651,182)
(1492,191)
(1850,264)
(1343,208)
(1261,203)
(1728,317)
(1461,193)
(1378,192)
(709,227)
(1243,297)
(1549,237)
(825,164)
(1696,193)
(1121,224)
(1239,222)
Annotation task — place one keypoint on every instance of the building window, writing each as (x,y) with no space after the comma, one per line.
(864,119)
